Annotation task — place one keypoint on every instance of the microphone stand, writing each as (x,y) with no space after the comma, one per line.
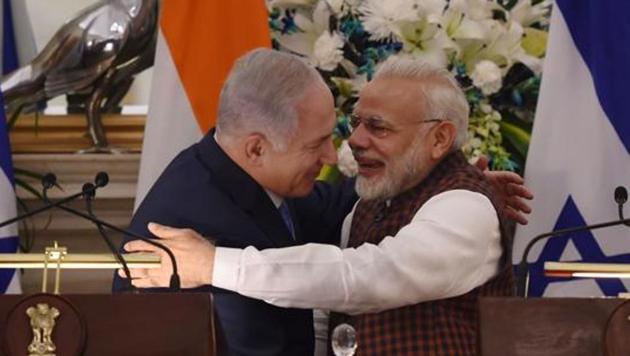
(89,191)
(522,271)
(174,284)
(39,210)
(88,206)
(101,180)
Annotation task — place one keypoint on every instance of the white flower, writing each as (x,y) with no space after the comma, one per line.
(321,48)
(353,3)
(526,14)
(328,51)
(505,48)
(383,19)
(486,108)
(345,160)
(336,5)
(487,77)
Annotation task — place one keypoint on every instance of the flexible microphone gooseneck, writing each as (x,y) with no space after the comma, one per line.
(102,179)
(47,185)
(49,180)
(89,191)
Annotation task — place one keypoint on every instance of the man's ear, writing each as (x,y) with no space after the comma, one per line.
(255,148)
(444,134)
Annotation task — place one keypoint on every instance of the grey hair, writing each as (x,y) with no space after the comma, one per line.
(443,97)
(261,94)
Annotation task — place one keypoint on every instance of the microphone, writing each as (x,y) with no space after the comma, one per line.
(101,179)
(522,271)
(621,197)
(48,181)
(88,191)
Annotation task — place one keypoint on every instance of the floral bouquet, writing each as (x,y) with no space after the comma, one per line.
(494,48)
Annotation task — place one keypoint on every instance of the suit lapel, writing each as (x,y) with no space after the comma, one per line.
(245,192)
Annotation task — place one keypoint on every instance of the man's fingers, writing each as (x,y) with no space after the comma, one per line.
(508,177)
(512,214)
(518,204)
(145,283)
(139,246)
(167,232)
(482,162)
(520,190)
(134,273)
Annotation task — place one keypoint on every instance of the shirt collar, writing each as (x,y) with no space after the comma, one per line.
(275,198)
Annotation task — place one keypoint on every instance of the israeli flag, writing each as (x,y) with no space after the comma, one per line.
(18,42)
(9,279)
(580,145)
(13,53)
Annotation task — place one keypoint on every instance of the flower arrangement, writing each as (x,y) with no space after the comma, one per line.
(493,47)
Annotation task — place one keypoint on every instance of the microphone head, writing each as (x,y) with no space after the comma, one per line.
(89,190)
(49,180)
(101,179)
(621,195)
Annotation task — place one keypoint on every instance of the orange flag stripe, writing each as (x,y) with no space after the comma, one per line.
(205,38)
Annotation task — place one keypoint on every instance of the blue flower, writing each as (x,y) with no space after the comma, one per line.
(351,26)
(517,97)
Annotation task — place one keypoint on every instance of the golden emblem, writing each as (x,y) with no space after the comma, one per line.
(42,323)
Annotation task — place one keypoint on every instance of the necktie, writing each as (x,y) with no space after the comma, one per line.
(286,217)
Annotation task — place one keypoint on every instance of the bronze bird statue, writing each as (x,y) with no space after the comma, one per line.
(95,56)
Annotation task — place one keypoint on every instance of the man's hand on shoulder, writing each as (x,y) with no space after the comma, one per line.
(194,255)
(511,189)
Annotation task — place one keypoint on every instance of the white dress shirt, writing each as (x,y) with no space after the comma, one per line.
(451,246)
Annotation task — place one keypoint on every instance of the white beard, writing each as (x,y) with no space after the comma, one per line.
(399,173)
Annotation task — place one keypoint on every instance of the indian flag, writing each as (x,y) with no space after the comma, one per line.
(197,43)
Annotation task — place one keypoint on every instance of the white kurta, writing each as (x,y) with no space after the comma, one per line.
(451,246)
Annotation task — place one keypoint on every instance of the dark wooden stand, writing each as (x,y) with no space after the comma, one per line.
(554,326)
(122,324)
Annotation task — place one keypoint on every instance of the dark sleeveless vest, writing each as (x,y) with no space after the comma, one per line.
(440,327)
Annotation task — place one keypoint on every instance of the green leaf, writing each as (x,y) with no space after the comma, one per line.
(517,136)
(329,174)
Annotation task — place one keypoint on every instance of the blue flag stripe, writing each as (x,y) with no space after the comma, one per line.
(5,147)
(10,59)
(601,32)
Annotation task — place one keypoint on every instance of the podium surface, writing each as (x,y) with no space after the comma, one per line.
(120,324)
(548,326)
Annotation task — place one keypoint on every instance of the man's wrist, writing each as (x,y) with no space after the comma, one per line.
(225,267)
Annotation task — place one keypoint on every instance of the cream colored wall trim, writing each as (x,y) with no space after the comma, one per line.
(114,203)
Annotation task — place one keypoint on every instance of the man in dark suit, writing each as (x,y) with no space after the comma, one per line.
(275,120)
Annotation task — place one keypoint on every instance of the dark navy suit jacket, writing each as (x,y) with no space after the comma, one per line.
(203,189)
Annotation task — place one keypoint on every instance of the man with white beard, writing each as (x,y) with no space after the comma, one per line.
(424,242)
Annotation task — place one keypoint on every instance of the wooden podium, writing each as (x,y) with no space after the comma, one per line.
(554,327)
(120,324)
